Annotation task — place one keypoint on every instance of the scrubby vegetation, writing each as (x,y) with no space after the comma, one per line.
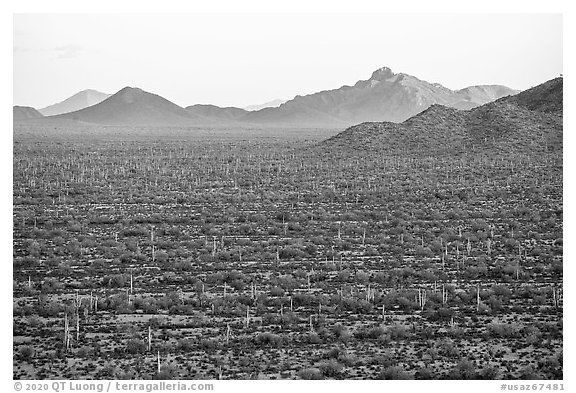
(168,255)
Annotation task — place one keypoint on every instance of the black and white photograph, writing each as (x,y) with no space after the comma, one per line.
(281,196)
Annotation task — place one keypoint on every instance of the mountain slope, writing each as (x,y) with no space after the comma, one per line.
(547,97)
(511,124)
(134,107)
(386,96)
(78,101)
(25,112)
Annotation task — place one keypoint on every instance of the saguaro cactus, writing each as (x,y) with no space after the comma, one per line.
(66,332)
(77,325)
(422,298)
(228,332)
(555,295)
(478,298)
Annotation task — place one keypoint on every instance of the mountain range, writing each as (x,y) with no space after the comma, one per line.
(385,96)
(529,122)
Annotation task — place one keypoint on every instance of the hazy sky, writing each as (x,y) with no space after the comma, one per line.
(243,59)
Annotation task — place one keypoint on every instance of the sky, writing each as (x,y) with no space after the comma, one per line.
(244,59)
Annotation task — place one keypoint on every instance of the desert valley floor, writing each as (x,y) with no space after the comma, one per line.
(242,254)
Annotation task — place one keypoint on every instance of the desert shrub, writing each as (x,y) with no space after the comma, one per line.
(530,373)
(50,309)
(167,372)
(424,373)
(108,371)
(447,349)
(423,251)
(369,333)
(310,374)
(489,372)
(51,285)
(26,352)
(185,344)
(276,291)
(397,332)
(267,338)
(334,353)
(331,368)
(341,333)
(34,321)
(464,369)
(313,338)
(84,352)
(208,345)
(135,345)
(393,372)
(504,330)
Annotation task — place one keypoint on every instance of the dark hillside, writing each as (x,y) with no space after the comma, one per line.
(529,123)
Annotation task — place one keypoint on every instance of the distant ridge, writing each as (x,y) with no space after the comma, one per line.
(25,112)
(270,104)
(133,107)
(530,123)
(385,96)
(216,112)
(78,101)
